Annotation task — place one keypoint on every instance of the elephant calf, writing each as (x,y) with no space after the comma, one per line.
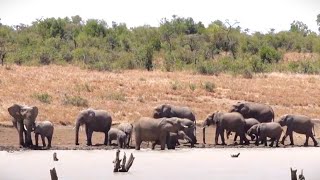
(126,128)
(262,131)
(44,129)
(172,139)
(117,134)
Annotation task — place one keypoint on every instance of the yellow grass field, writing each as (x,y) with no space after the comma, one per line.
(130,94)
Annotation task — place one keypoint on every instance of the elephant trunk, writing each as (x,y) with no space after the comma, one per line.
(204,134)
(77,133)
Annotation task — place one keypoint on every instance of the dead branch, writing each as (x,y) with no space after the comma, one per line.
(53,174)
(125,166)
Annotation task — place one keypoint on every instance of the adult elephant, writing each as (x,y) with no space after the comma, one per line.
(94,120)
(233,122)
(168,111)
(300,124)
(24,121)
(261,112)
(155,130)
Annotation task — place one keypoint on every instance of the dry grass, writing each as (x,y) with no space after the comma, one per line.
(129,95)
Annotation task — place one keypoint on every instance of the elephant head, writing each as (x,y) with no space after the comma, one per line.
(285,120)
(241,108)
(162,111)
(85,116)
(24,121)
(173,125)
(255,129)
(207,122)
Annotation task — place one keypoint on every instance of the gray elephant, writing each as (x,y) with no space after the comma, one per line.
(167,110)
(94,120)
(233,122)
(300,124)
(24,120)
(127,128)
(261,112)
(249,123)
(272,130)
(45,130)
(155,130)
(118,135)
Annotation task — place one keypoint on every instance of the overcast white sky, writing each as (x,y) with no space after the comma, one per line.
(257,15)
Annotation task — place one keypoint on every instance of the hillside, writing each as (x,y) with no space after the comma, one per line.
(130,94)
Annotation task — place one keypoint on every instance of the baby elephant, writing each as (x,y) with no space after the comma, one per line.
(172,139)
(45,129)
(272,130)
(117,134)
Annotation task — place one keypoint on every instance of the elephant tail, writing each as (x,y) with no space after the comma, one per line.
(314,132)
(272,114)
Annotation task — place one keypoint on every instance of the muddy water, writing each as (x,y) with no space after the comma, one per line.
(179,164)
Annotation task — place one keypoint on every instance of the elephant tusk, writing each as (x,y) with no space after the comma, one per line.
(25,128)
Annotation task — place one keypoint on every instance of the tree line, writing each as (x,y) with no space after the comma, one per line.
(178,43)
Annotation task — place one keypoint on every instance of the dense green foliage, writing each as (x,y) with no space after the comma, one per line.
(178,43)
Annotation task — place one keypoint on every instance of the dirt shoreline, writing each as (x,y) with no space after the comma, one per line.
(64,140)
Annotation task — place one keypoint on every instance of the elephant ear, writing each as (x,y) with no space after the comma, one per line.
(91,113)
(34,112)
(15,111)
(258,130)
(166,109)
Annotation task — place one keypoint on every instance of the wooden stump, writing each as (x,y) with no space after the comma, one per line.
(53,174)
(293,174)
(124,166)
(55,157)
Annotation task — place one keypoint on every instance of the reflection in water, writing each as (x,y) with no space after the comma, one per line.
(270,163)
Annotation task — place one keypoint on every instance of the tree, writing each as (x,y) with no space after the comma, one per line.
(299,27)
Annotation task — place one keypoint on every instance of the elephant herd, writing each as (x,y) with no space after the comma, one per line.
(168,124)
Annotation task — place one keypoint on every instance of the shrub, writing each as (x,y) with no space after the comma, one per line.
(247,74)
(100,66)
(44,97)
(174,85)
(118,96)
(209,86)
(192,87)
(269,54)
(208,68)
(75,101)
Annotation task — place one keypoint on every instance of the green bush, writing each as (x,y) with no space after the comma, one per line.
(209,86)
(43,97)
(75,101)
(118,96)
(208,68)
(269,55)
(192,87)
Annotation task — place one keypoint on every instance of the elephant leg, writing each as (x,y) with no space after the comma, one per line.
(43,141)
(49,141)
(307,140)
(89,137)
(154,145)
(222,138)
(314,140)
(291,139)
(128,143)
(20,132)
(163,144)
(272,142)
(37,138)
(235,137)
(138,143)
(216,136)
(105,138)
(277,141)
(119,143)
